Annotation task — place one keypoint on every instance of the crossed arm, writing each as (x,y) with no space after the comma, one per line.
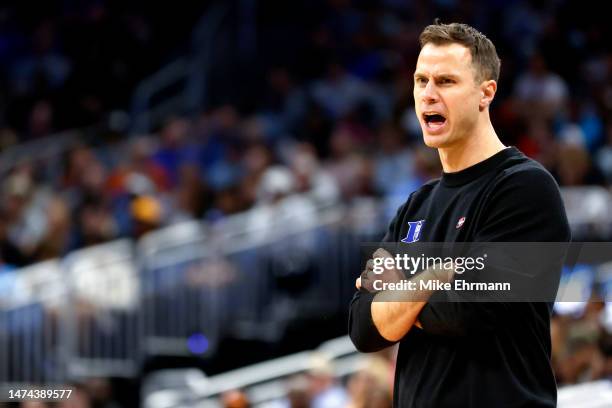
(394,314)
(394,319)
(375,324)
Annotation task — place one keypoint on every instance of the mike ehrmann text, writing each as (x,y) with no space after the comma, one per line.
(458,285)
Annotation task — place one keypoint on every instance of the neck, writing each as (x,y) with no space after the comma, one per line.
(473,149)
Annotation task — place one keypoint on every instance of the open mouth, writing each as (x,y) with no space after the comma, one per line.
(434,121)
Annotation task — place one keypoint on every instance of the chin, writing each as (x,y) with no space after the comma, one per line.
(435,141)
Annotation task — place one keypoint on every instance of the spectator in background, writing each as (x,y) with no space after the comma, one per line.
(10,255)
(310,177)
(379,398)
(95,223)
(370,384)
(192,197)
(147,215)
(24,207)
(575,167)
(235,399)
(174,149)
(351,169)
(604,156)
(85,181)
(591,125)
(220,148)
(284,102)
(256,159)
(56,240)
(298,393)
(278,205)
(139,162)
(339,92)
(538,142)
(324,389)
(426,166)
(227,201)
(605,339)
(394,160)
(136,187)
(540,93)
(278,214)
(578,355)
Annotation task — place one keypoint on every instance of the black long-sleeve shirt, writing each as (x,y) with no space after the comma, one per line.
(475,354)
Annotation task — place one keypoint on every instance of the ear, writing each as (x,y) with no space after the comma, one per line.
(487,93)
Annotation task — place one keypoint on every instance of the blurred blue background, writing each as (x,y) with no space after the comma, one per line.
(187,185)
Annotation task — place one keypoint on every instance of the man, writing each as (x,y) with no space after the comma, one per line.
(466,354)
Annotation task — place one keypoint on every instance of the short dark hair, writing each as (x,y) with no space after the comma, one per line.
(484,56)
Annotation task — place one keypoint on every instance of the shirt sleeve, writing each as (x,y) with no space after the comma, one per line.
(362,331)
(524,207)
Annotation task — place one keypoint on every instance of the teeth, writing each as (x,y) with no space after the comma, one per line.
(434,121)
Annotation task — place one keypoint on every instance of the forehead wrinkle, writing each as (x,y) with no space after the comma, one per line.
(442,74)
(438,60)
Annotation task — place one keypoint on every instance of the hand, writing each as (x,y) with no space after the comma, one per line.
(367,278)
(390,274)
(442,273)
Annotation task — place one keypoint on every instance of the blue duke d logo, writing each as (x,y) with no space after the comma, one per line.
(414,231)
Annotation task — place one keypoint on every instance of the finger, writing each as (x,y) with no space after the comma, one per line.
(381,253)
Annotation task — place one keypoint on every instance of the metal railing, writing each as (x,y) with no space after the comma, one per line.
(30,350)
(183,81)
(180,291)
(263,382)
(100,322)
(178,88)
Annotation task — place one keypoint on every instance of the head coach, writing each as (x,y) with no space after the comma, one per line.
(466,354)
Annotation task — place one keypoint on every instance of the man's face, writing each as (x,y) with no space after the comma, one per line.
(446,96)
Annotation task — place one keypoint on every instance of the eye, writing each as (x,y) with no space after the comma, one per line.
(446,81)
(420,81)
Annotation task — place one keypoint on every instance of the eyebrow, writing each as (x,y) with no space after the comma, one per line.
(437,76)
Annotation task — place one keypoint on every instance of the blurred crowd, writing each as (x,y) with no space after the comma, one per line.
(581,349)
(370,386)
(582,343)
(329,114)
(581,352)
(335,119)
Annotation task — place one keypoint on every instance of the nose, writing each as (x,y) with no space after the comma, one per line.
(429,94)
